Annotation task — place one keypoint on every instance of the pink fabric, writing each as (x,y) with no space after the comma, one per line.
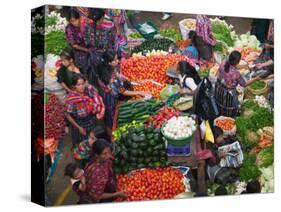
(89,104)
(232,78)
(99,179)
(204,29)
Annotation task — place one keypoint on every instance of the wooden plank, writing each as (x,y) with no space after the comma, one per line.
(201,177)
(192,162)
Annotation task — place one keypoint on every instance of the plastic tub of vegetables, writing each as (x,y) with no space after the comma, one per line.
(179,131)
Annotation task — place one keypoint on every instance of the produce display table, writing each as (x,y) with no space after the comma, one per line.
(192,162)
(189,161)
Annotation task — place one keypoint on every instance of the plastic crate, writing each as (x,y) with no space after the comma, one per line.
(179,150)
(149,35)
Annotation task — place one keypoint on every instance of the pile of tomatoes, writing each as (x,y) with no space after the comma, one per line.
(152,184)
(153,89)
(150,68)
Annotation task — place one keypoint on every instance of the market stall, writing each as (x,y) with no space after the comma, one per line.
(147,68)
(158,140)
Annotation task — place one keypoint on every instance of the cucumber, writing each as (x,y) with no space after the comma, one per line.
(141,119)
(136,111)
(151,101)
(126,104)
(124,113)
(125,116)
(136,103)
(139,104)
(140,114)
(123,121)
(127,108)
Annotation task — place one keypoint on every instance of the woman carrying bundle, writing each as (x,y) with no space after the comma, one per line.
(83,106)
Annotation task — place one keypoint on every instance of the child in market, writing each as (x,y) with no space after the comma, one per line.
(264,65)
(253,187)
(191,51)
(188,77)
(82,153)
(219,141)
(113,86)
(217,172)
(68,70)
(77,179)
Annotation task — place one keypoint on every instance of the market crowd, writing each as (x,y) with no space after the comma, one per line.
(90,74)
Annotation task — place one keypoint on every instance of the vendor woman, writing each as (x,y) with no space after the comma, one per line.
(83,106)
(229,78)
(205,40)
(68,70)
(113,85)
(189,78)
(75,38)
(264,64)
(101,185)
(191,51)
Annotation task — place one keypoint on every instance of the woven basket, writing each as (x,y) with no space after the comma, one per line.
(184,105)
(258,92)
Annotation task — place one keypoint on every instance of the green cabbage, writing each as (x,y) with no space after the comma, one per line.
(265,157)
(247,40)
(249,170)
(267,179)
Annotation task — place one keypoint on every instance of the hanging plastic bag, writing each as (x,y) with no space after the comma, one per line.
(204,103)
(168,91)
(209,137)
(203,129)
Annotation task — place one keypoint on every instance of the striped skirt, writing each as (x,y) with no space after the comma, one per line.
(227,100)
(88,123)
(110,102)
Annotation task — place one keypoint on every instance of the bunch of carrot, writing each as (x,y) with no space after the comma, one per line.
(225,124)
(248,54)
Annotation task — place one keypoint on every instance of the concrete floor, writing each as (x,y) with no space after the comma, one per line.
(59,183)
(241,25)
